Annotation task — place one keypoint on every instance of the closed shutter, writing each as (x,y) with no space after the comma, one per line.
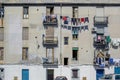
(25,54)
(50,31)
(25,33)
(49,54)
(1,53)
(1,33)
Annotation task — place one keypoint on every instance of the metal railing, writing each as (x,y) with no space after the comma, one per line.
(50,40)
(50,20)
(100,20)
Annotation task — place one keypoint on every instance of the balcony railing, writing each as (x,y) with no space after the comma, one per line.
(74,61)
(100,20)
(50,62)
(50,20)
(50,41)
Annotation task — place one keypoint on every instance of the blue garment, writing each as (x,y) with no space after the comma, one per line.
(111,61)
(69,27)
(86,19)
(74,21)
(65,22)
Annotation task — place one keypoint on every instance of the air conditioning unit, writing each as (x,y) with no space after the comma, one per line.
(1,73)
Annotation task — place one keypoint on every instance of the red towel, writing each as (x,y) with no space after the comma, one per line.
(82,20)
(64,18)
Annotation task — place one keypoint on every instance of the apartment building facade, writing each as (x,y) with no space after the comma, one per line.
(58,36)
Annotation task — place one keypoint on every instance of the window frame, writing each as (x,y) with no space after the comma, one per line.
(75,75)
(24,33)
(66,40)
(74,12)
(2,11)
(73,55)
(25,55)
(25,12)
(1,54)
(2,39)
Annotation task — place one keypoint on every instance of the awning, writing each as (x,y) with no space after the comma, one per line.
(75,48)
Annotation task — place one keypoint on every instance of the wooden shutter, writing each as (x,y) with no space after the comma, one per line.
(1,33)
(1,53)
(25,33)
(50,32)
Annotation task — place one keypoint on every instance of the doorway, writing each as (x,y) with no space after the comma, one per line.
(50,74)
(65,61)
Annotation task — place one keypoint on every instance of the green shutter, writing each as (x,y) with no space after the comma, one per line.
(75,48)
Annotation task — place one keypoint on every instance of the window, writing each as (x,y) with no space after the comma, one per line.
(75,53)
(25,53)
(1,53)
(1,33)
(75,73)
(75,36)
(65,61)
(25,33)
(15,78)
(65,40)
(49,10)
(1,12)
(75,31)
(25,12)
(75,12)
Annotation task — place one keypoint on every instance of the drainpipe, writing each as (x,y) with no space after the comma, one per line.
(60,40)
(60,35)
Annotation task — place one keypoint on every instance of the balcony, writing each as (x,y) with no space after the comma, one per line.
(99,20)
(99,41)
(74,61)
(50,20)
(50,62)
(102,59)
(50,41)
(110,77)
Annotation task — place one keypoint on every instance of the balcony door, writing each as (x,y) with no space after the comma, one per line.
(50,31)
(50,74)
(50,54)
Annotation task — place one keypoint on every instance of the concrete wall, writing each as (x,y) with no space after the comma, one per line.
(13,23)
(13,34)
(57,1)
(38,72)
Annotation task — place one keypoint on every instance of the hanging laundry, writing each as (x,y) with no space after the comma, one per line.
(65,26)
(82,20)
(65,22)
(86,27)
(43,17)
(68,19)
(62,26)
(82,28)
(86,19)
(73,21)
(53,16)
(69,27)
(60,17)
(64,18)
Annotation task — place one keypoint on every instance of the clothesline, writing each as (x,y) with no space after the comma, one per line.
(74,21)
(85,27)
